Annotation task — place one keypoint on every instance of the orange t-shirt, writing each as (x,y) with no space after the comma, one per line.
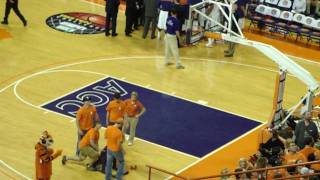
(272,173)
(86,117)
(317,155)
(133,107)
(43,162)
(116,109)
(293,158)
(92,134)
(113,136)
(306,151)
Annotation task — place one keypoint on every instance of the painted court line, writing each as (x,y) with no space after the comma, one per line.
(73,119)
(77,89)
(164,147)
(12,169)
(215,151)
(137,58)
(143,57)
(104,75)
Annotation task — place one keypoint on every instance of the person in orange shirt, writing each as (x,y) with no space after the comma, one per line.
(308,150)
(316,167)
(134,109)
(89,147)
(86,118)
(115,110)
(114,139)
(45,156)
(292,156)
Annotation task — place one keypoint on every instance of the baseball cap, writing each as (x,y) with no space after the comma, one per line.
(116,95)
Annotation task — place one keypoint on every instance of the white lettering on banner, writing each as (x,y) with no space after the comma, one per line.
(63,105)
(111,88)
(97,98)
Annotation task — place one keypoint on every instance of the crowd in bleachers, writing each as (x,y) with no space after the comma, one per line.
(295,142)
(298,17)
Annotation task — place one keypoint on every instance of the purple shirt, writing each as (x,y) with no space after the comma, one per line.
(172,25)
(166,5)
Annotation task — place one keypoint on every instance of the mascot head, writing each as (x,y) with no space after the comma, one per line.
(46,139)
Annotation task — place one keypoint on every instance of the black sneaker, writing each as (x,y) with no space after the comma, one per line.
(64,160)
(25,23)
(90,168)
(4,22)
(107,34)
(228,55)
(128,35)
(114,34)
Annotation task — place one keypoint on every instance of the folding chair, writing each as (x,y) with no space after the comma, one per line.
(284,20)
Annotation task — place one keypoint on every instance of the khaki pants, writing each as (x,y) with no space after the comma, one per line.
(132,122)
(171,45)
(85,152)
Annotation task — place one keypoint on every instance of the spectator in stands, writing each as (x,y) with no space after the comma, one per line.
(272,148)
(244,165)
(225,171)
(299,6)
(313,8)
(291,156)
(278,173)
(261,162)
(305,128)
(301,170)
(112,7)
(316,167)
(308,151)
(150,17)
(317,11)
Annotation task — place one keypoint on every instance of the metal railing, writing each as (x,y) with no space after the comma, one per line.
(263,170)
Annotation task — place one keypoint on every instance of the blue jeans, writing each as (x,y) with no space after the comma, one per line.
(119,157)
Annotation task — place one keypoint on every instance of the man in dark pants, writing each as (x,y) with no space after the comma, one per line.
(130,13)
(232,45)
(150,16)
(112,7)
(13,4)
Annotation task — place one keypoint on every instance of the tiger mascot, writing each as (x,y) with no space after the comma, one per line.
(44,157)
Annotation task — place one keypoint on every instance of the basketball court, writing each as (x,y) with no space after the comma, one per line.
(196,119)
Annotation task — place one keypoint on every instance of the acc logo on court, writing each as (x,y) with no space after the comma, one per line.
(77,23)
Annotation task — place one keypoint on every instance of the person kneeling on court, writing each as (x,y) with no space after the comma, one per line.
(88,147)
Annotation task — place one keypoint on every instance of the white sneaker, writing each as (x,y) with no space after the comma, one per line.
(129,143)
(209,45)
